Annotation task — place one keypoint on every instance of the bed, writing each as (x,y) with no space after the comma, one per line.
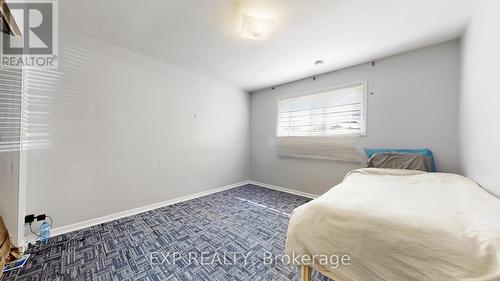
(400,225)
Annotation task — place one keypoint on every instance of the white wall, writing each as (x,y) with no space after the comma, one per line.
(415,105)
(116,131)
(10,107)
(9,191)
(480,97)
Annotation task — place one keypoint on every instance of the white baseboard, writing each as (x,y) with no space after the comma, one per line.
(283,189)
(84,224)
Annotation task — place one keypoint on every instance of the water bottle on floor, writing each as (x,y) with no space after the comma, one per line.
(44,232)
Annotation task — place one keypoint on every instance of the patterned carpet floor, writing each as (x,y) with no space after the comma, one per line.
(222,236)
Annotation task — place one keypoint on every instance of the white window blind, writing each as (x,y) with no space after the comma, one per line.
(325,125)
(329,113)
(10,108)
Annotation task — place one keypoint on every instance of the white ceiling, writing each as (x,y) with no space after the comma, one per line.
(203,35)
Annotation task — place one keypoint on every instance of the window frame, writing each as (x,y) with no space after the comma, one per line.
(364,106)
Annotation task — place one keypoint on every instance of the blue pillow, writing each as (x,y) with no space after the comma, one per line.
(425,152)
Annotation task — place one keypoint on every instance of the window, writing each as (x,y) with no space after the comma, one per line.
(341,111)
(10,109)
(323,125)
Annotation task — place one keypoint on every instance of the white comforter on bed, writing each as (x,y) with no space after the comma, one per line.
(402,225)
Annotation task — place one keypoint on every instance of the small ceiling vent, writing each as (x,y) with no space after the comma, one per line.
(7,22)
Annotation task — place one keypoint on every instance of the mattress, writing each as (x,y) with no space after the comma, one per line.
(401,225)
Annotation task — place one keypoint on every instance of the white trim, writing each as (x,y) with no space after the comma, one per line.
(284,189)
(84,224)
(22,173)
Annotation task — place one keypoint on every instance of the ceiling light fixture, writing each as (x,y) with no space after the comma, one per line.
(318,62)
(256,28)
